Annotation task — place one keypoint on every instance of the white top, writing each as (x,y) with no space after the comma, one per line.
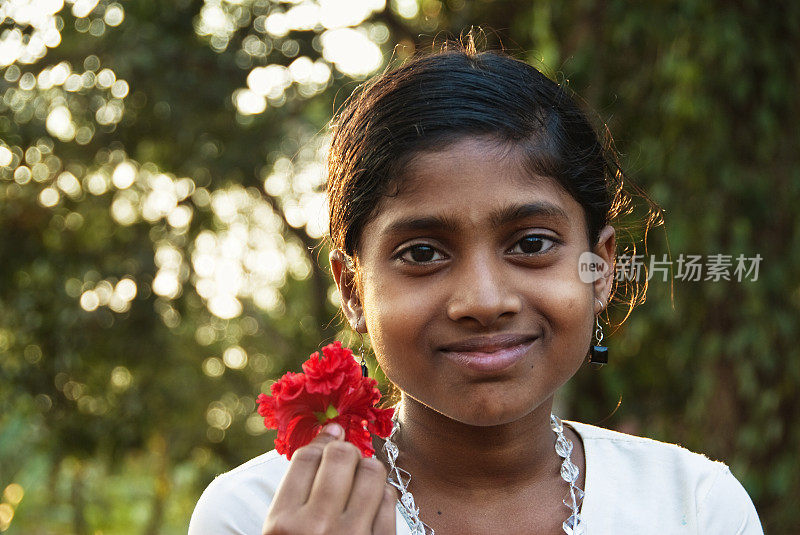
(633,485)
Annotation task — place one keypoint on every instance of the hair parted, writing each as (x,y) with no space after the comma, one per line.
(435,99)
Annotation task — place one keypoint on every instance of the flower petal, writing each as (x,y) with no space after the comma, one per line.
(331,389)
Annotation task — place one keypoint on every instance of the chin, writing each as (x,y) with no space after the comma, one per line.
(482,414)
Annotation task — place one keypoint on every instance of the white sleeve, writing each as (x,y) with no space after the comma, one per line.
(727,508)
(223,510)
(237,502)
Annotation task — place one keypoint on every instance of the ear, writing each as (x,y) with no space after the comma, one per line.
(344,275)
(605,249)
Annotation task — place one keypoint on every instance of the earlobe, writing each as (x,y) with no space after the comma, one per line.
(343,269)
(360,324)
(606,249)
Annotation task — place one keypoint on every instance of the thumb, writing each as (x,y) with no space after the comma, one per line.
(330,433)
(332,430)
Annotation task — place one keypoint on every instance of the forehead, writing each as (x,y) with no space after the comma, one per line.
(470,183)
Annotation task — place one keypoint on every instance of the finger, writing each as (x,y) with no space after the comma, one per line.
(367,492)
(384,523)
(296,484)
(334,478)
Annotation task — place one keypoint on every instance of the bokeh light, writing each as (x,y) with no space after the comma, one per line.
(235,358)
(38,16)
(13,494)
(121,378)
(352,51)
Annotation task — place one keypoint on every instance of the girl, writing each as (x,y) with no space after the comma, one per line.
(465,190)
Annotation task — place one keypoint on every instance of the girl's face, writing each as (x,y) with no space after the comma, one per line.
(469,286)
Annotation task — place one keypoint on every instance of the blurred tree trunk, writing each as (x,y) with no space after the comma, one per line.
(162,484)
(78,501)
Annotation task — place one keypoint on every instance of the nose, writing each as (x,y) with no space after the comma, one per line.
(482,292)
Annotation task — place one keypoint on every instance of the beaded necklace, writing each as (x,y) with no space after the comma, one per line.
(400,479)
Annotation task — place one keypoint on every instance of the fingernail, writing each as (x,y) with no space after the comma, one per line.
(334,430)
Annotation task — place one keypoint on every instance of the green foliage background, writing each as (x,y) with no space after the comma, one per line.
(113,420)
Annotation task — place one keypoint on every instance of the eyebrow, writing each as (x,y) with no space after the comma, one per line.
(499,217)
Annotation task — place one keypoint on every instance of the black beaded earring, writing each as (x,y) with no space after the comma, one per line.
(364,369)
(598,354)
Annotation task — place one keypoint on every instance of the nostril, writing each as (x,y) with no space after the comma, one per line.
(485,310)
(481,291)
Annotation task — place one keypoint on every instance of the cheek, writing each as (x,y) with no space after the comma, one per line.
(394,317)
(567,306)
(384,306)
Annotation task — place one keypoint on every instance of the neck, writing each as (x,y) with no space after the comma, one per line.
(435,448)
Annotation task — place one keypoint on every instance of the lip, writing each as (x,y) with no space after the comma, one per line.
(489,354)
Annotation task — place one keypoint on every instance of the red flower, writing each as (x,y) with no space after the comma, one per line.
(331,390)
(328,372)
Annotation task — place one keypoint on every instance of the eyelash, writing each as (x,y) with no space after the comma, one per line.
(540,237)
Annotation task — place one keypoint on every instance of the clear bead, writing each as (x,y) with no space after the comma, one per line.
(421,529)
(408,501)
(563,446)
(573,526)
(569,472)
(574,498)
(399,477)
(391,450)
(555,424)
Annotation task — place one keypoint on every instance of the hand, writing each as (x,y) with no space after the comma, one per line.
(330,489)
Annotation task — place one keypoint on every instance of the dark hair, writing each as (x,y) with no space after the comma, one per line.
(436,99)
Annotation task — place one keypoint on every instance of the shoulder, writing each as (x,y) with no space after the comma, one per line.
(645,453)
(674,488)
(236,502)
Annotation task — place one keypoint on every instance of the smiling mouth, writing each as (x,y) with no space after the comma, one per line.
(489,354)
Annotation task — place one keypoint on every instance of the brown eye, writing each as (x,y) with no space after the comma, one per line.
(419,254)
(533,244)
